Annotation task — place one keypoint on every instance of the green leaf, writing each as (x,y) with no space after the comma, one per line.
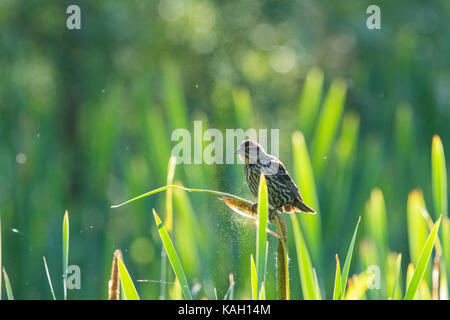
(188,233)
(173,257)
(262,294)
(253,279)
(65,244)
(376,225)
(403,133)
(394,276)
(316,285)
(329,119)
(304,263)
(446,244)
(261,236)
(417,226)
(128,288)
(422,263)
(337,281)
(305,180)
(310,100)
(439,177)
(165,188)
(174,97)
(348,260)
(242,108)
(9,292)
(0,258)
(230,292)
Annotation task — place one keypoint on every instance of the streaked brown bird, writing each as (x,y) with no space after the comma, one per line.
(284,195)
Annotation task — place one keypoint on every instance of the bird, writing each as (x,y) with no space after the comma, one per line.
(284,195)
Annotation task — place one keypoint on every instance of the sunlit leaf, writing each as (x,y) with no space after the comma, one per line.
(65,244)
(337,281)
(263,212)
(173,257)
(128,288)
(422,262)
(304,263)
(348,260)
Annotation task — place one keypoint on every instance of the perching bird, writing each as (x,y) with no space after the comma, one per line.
(284,195)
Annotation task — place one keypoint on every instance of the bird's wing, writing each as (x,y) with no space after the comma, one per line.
(285,179)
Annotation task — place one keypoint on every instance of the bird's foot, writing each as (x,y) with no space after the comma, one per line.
(254,208)
(272,213)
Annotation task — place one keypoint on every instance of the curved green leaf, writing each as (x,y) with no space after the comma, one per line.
(422,263)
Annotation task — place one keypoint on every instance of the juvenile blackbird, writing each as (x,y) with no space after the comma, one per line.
(284,195)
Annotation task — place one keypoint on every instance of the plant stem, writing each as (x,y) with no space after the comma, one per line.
(282,259)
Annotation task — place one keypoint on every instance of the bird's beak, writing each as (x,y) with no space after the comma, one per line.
(238,150)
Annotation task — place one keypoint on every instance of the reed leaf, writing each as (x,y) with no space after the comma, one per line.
(65,246)
(173,257)
(439,177)
(304,263)
(348,260)
(261,236)
(422,262)
(337,281)
(128,288)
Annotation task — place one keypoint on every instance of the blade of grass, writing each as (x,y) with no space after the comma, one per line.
(65,244)
(228,198)
(304,262)
(403,132)
(188,232)
(173,94)
(439,177)
(0,258)
(253,279)
(348,260)
(169,206)
(9,292)
(262,295)
(242,107)
(230,292)
(305,177)
(446,245)
(316,285)
(327,125)
(168,222)
(417,226)
(261,236)
(443,289)
(165,188)
(309,103)
(398,269)
(376,224)
(49,279)
(173,257)
(337,281)
(128,288)
(422,262)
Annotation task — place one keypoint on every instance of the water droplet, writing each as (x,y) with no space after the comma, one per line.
(21,158)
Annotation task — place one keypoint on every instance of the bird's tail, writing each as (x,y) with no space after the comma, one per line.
(302,207)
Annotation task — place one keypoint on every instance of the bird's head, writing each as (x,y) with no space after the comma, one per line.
(250,152)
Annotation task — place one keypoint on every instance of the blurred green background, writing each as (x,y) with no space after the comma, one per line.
(86,118)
